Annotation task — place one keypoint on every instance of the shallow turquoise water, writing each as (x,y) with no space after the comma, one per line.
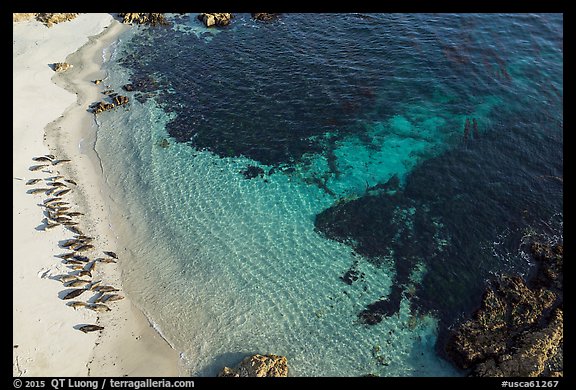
(226,266)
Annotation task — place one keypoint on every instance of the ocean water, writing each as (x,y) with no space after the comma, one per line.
(333,188)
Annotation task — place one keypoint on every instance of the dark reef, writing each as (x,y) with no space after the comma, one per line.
(435,219)
(518,329)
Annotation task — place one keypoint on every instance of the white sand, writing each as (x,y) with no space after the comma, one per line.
(46,342)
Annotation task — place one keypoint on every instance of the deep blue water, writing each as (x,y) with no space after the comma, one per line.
(421,144)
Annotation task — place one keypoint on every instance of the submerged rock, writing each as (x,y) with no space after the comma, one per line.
(252,171)
(258,366)
(215,19)
(352,274)
(264,16)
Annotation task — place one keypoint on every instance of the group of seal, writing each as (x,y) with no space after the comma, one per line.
(58,212)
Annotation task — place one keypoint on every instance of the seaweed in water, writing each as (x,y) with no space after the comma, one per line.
(436,219)
(252,171)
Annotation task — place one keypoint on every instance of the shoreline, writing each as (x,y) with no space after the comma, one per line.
(128,344)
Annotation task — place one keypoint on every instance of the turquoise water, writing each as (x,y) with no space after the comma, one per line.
(227,266)
(235,267)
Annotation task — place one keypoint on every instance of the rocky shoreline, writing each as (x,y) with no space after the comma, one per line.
(518,329)
(49,19)
(258,366)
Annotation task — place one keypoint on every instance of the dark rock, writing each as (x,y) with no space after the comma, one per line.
(61,66)
(215,19)
(550,262)
(49,19)
(531,353)
(518,329)
(258,366)
(144,18)
(252,171)
(393,184)
(265,17)
(101,107)
(128,87)
(352,274)
(120,100)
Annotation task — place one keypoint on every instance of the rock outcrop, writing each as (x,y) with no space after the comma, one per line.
(264,17)
(118,100)
(21,17)
(144,18)
(49,19)
(215,19)
(518,329)
(258,366)
(61,66)
(532,352)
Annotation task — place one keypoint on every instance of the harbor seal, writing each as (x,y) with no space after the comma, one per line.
(111,298)
(37,167)
(69,243)
(37,190)
(90,328)
(67,278)
(32,181)
(62,192)
(73,262)
(99,307)
(41,159)
(50,225)
(74,293)
(105,289)
(84,259)
(84,273)
(84,248)
(76,304)
(106,260)
(90,266)
(74,229)
(111,254)
(56,162)
(77,283)
(94,284)
(84,238)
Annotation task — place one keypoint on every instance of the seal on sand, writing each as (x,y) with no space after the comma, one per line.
(90,328)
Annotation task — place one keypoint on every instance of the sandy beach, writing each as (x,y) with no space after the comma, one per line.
(50,116)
